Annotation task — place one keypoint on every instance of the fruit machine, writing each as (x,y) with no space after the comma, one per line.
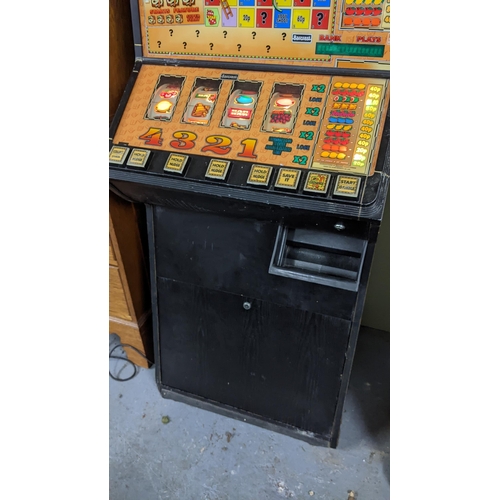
(256,134)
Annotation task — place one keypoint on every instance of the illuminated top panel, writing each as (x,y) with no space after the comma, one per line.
(325,33)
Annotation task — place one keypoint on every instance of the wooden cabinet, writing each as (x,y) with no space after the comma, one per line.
(129,299)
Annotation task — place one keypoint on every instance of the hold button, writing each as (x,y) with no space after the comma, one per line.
(217,169)
(176,163)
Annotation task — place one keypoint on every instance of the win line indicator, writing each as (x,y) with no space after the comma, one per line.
(350,49)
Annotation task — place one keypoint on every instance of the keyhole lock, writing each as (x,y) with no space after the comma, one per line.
(247,306)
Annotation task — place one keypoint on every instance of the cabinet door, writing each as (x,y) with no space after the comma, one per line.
(274,361)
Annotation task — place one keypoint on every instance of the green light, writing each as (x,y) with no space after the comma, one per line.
(350,49)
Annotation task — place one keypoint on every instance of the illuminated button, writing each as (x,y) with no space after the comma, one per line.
(317,182)
(217,169)
(288,179)
(138,158)
(259,175)
(176,163)
(347,186)
(117,154)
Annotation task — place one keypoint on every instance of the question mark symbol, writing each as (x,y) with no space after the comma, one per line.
(253,33)
(225,33)
(211,46)
(171,31)
(185,44)
(239,46)
(263,15)
(159,44)
(197,33)
(283,35)
(268,47)
(320,19)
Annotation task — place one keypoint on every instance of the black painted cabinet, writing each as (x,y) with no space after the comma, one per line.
(271,360)
(237,333)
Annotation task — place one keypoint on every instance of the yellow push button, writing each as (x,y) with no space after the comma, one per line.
(176,163)
(347,186)
(260,175)
(288,179)
(138,158)
(317,182)
(118,154)
(217,169)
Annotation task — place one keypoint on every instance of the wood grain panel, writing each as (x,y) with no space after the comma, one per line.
(121,51)
(124,220)
(117,302)
(112,257)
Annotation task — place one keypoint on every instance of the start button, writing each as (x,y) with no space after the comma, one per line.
(347,185)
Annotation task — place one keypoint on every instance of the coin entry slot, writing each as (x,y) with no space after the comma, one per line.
(321,257)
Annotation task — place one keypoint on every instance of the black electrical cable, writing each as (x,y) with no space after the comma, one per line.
(127,360)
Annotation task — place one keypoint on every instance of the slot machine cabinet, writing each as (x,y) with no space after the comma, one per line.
(257,136)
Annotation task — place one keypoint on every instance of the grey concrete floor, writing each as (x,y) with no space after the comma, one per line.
(199,455)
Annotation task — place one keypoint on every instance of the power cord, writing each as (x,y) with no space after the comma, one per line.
(136,368)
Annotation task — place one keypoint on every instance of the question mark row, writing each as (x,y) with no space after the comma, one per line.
(254,34)
(211,45)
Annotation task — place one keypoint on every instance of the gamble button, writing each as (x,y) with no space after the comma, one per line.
(317,182)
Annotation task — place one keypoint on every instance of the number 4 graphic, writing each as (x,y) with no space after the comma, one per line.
(153,136)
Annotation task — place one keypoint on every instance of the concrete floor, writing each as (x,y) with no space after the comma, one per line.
(199,455)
